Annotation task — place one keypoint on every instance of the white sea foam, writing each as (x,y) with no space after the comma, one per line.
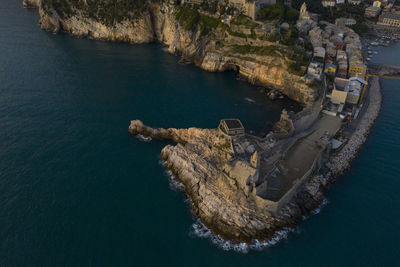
(320,207)
(249,100)
(174,184)
(200,230)
(324,202)
(142,138)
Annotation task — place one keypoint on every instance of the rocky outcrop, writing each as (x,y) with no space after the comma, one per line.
(218,200)
(224,204)
(157,23)
(31,3)
(285,124)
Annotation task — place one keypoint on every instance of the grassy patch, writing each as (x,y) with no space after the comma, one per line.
(245,21)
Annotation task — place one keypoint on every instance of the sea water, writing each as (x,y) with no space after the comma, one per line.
(77,190)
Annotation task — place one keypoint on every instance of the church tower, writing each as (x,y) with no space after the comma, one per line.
(303,12)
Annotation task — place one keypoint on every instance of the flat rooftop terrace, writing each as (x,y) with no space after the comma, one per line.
(233,123)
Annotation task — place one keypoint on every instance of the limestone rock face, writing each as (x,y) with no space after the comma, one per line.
(158,24)
(49,20)
(31,3)
(285,124)
(219,201)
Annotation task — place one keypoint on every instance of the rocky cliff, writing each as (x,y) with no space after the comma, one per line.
(209,45)
(31,3)
(218,200)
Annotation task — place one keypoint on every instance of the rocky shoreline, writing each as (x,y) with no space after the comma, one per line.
(203,159)
(312,195)
(213,52)
(197,161)
(341,161)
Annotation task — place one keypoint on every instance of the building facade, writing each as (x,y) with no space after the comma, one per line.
(357,70)
(231,127)
(328,3)
(389,19)
(372,11)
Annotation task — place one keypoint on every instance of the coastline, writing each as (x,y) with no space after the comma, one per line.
(309,198)
(212,52)
(341,161)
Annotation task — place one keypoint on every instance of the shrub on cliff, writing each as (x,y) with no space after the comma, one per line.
(107,12)
(191,20)
(258,50)
(243,20)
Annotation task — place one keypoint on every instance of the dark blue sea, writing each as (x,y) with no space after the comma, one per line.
(77,190)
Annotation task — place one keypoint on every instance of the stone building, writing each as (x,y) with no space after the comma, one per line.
(372,11)
(357,70)
(328,3)
(389,19)
(232,127)
(304,13)
(347,90)
(354,2)
(345,22)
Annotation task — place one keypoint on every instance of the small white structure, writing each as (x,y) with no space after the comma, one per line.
(315,70)
(354,2)
(328,3)
(341,55)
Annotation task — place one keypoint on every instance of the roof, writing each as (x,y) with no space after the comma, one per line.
(233,123)
(358,79)
(373,8)
(328,65)
(390,15)
(358,65)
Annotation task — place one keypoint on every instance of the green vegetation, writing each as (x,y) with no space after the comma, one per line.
(191,19)
(276,11)
(108,12)
(296,69)
(274,37)
(243,20)
(237,34)
(314,84)
(359,28)
(289,36)
(299,62)
(280,12)
(258,50)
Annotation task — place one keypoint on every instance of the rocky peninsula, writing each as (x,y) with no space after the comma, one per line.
(215,173)
(245,187)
